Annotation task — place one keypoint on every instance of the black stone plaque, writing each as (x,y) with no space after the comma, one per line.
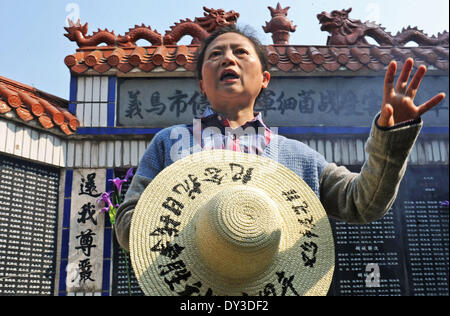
(120,274)
(362,251)
(404,253)
(425,222)
(28,223)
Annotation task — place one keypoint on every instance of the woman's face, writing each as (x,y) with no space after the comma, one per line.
(232,72)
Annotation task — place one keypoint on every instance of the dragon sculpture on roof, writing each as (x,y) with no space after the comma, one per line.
(199,29)
(346,31)
(77,33)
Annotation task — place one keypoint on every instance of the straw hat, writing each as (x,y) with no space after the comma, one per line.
(226,223)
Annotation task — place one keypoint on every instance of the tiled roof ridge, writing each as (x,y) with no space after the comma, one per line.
(30,103)
(45,95)
(285,58)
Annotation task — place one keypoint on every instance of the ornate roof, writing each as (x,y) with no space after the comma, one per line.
(346,47)
(30,104)
(286,58)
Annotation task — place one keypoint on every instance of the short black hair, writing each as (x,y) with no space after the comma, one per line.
(260,50)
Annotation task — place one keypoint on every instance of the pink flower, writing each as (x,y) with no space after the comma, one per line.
(129,174)
(106,200)
(118,182)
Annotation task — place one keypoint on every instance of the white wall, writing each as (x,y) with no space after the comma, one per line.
(92,98)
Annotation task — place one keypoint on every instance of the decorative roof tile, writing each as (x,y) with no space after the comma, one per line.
(284,58)
(279,25)
(4,108)
(30,103)
(199,29)
(346,31)
(346,49)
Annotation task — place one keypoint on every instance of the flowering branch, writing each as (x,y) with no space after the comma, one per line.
(110,201)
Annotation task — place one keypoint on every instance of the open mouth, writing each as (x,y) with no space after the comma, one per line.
(325,20)
(228,76)
(324,17)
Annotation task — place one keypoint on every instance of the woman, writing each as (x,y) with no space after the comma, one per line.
(233,70)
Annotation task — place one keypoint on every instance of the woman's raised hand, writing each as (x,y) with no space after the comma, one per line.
(398,103)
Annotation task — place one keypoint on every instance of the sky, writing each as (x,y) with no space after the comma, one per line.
(33,45)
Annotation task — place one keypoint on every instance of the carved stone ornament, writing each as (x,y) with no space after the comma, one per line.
(346,31)
(279,25)
(199,29)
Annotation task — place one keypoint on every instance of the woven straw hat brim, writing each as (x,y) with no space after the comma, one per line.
(164,254)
